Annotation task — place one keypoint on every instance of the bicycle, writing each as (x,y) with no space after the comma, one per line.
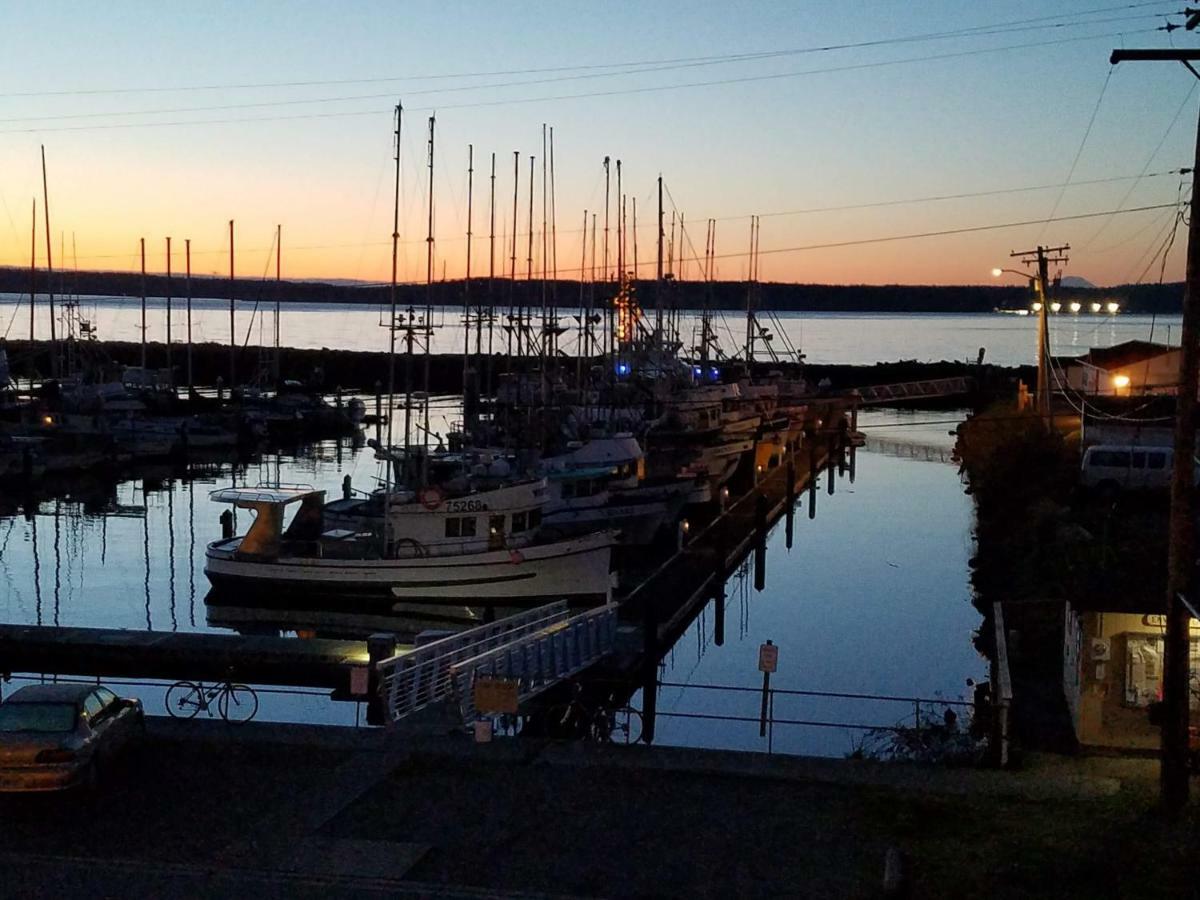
(605,725)
(235,703)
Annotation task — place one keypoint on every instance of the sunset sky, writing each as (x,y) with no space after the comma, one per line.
(169,120)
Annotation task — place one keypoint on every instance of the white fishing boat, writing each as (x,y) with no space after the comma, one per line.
(454,551)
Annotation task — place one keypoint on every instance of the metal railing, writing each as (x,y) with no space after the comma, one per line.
(766,718)
(539,661)
(416,679)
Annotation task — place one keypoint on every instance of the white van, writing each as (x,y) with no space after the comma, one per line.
(1127,466)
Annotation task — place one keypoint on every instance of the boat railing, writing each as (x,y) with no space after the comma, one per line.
(422,677)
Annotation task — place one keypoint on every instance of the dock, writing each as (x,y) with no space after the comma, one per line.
(119,653)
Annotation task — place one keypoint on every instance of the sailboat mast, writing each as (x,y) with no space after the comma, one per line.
(467,285)
(49,269)
(428,307)
(142,242)
(512,276)
(606,208)
(32,280)
(276,365)
(545,242)
(232,323)
(658,275)
(553,255)
(187,249)
(392,330)
(583,318)
(750,299)
(169,308)
(491,274)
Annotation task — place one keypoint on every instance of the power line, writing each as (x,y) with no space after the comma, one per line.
(1149,160)
(555,97)
(1078,153)
(750,56)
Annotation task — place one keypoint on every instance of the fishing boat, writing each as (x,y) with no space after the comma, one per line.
(453,552)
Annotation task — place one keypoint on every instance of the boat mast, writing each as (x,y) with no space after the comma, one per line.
(512,276)
(607,181)
(658,275)
(529,263)
(187,248)
(49,269)
(750,300)
(553,255)
(32,288)
(467,285)
(277,363)
(428,328)
(232,333)
(583,317)
(387,451)
(491,275)
(545,253)
(169,306)
(142,242)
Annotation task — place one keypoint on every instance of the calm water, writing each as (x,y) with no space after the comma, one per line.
(872,598)
(851,338)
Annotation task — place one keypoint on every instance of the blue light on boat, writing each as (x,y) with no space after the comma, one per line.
(622,368)
(697,371)
(713,373)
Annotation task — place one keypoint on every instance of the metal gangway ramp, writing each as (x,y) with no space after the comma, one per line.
(916,390)
(537,649)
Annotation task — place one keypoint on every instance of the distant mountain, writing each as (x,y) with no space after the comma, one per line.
(1074,281)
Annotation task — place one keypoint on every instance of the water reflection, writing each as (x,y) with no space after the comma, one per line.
(871,596)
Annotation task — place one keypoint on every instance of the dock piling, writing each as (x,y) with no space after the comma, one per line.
(760,546)
(791,501)
(380,646)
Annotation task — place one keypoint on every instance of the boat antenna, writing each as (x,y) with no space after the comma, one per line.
(512,276)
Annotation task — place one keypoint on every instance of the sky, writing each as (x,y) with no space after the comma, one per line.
(169,120)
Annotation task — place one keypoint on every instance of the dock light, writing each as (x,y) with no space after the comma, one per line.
(48,420)
(1120,382)
(1096,307)
(1037,307)
(1076,306)
(1055,306)
(1113,308)
(685,526)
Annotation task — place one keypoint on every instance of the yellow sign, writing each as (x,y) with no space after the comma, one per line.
(496,695)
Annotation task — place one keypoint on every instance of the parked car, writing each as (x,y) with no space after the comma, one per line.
(1127,467)
(58,736)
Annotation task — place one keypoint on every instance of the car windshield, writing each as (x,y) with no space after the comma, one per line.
(43,718)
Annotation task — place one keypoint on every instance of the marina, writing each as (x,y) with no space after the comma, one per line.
(576,452)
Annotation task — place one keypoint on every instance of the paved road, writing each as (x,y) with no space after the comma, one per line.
(207,810)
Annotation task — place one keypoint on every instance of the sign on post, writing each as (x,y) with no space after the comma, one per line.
(768,657)
(496,695)
(360,680)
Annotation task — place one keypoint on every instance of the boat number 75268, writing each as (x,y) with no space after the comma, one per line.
(461,506)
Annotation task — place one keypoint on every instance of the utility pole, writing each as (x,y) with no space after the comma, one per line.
(1043,256)
(1181,555)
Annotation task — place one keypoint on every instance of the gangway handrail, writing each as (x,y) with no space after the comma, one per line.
(539,660)
(415,679)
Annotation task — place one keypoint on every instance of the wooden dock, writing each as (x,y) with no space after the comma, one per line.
(175,656)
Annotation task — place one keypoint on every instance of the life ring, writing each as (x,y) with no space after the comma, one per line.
(430,497)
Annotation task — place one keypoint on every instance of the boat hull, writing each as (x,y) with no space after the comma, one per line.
(577,570)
